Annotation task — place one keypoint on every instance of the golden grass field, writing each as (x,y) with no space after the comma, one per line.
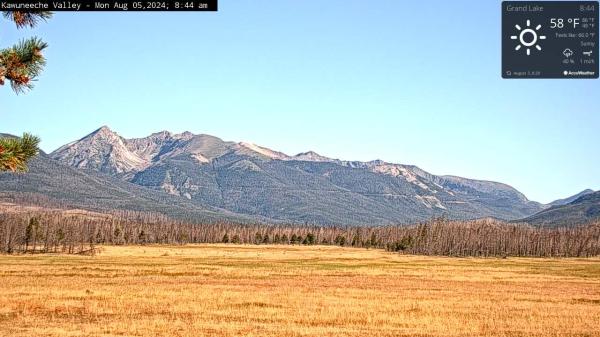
(228,290)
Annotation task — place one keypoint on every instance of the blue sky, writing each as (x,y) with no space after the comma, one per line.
(409,82)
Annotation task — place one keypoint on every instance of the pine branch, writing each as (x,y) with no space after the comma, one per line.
(27,18)
(15,152)
(22,63)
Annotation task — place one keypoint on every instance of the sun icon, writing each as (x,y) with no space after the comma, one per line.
(528,37)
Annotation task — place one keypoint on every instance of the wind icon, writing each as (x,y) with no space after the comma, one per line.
(528,37)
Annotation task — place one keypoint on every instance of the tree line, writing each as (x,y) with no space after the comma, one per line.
(73,233)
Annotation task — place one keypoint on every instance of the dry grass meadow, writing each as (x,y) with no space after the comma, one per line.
(228,290)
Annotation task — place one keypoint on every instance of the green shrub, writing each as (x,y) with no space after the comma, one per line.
(310,239)
(340,240)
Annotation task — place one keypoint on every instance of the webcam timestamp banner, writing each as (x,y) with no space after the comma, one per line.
(105,6)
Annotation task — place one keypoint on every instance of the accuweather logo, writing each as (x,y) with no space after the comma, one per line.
(579,73)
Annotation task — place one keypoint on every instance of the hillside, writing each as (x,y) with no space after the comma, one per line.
(570,199)
(583,209)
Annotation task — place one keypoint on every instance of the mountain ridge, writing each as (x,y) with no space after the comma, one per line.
(570,199)
(250,179)
(585,207)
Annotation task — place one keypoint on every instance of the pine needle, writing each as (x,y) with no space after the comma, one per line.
(15,152)
(27,18)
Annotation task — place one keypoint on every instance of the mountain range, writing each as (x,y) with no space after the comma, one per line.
(189,175)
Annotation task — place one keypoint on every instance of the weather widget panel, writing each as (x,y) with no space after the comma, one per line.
(550,39)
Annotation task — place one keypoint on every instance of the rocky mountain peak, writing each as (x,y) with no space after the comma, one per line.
(185,134)
(103,128)
(102,150)
(377,162)
(312,156)
(161,135)
(103,133)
